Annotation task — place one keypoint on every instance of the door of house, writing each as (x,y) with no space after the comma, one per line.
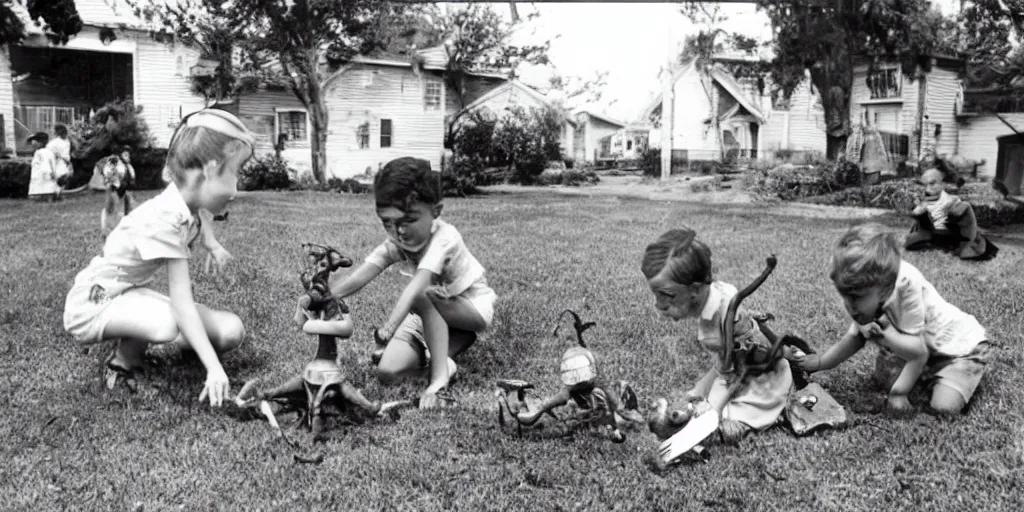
(1014,168)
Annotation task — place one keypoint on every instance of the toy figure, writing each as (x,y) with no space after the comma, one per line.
(599,404)
(322,390)
(740,358)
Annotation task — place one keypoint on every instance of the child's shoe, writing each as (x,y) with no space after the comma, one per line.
(116,374)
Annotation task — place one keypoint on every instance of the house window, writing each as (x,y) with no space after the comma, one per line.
(432,95)
(629,145)
(885,83)
(385,133)
(292,123)
(363,135)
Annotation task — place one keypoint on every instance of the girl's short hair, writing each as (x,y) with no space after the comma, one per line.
(687,259)
(867,255)
(404,181)
(204,136)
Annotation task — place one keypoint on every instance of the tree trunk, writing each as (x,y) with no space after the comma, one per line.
(834,86)
(318,122)
(318,140)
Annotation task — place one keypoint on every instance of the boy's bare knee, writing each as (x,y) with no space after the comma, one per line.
(387,375)
(946,400)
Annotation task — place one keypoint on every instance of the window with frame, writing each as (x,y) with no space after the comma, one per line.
(385,133)
(885,83)
(432,95)
(363,136)
(292,123)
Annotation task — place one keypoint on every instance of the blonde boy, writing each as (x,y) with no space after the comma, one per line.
(894,307)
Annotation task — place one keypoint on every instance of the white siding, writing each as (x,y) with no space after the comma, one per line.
(163,94)
(940,105)
(692,107)
(896,113)
(977,139)
(353,98)
(806,121)
(259,112)
(7,98)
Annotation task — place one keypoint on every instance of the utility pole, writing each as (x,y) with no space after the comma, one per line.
(667,103)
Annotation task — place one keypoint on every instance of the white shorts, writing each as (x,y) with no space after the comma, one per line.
(479,295)
(87,310)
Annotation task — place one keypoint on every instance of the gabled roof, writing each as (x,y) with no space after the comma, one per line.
(720,76)
(729,83)
(515,84)
(602,117)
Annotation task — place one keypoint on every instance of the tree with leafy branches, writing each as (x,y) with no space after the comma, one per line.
(995,63)
(294,44)
(475,38)
(828,38)
(59,20)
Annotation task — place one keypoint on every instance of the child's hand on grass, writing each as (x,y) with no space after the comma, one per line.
(899,404)
(216,260)
(217,387)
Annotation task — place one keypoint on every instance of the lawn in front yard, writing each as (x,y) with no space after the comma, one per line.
(72,446)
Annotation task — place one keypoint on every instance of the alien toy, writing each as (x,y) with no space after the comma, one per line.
(598,405)
(322,390)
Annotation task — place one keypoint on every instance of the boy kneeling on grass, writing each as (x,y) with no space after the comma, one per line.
(447,302)
(917,332)
(110,298)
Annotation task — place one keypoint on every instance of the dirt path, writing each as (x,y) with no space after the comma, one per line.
(678,189)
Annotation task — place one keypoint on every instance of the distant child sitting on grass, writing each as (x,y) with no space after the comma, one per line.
(917,332)
(447,302)
(678,270)
(110,299)
(944,221)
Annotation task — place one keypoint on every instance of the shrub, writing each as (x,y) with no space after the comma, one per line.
(530,139)
(569,162)
(707,185)
(114,126)
(650,162)
(463,176)
(789,182)
(149,166)
(266,172)
(15,175)
(568,178)
(475,137)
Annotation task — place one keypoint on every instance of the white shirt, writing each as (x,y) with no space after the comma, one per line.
(62,152)
(160,229)
(916,308)
(445,255)
(938,210)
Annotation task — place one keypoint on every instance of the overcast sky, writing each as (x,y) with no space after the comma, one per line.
(629,40)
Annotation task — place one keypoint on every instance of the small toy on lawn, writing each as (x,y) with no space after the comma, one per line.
(683,430)
(322,390)
(598,405)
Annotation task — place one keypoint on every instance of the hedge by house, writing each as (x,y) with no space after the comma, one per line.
(15,175)
(789,182)
(990,208)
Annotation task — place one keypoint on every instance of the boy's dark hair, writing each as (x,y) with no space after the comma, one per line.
(42,137)
(404,181)
(688,259)
(60,130)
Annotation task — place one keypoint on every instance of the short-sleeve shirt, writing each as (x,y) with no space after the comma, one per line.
(158,230)
(916,308)
(938,209)
(445,255)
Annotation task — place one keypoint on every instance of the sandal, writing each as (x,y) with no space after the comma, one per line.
(114,374)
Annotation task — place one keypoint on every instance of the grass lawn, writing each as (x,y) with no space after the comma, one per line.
(72,446)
